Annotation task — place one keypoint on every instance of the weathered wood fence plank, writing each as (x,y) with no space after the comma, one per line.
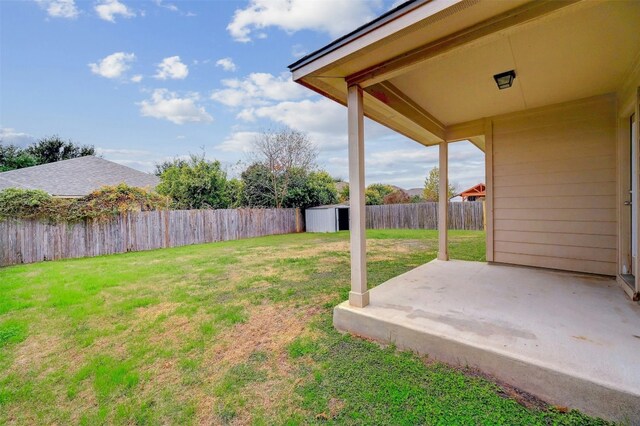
(34,241)
(462,215)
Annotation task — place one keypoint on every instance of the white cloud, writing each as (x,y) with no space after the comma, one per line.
(226,64)
(239,142)
(259,89)
(172,68)
(9,136)
(137,78)
(172,7)
(298,51)
(169,6)
(126,152)
(390,157)
(109,9)
(321,117)
(404,163)
(335,17)
(396,4)
(60,8)
(114,65)
(169,106)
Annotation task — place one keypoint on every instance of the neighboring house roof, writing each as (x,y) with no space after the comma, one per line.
(76,177)
(415,191)
(341,185)
(475,191)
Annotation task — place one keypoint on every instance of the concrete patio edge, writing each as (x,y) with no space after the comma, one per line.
(552,385)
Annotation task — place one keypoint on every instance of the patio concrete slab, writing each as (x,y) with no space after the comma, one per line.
(571,339)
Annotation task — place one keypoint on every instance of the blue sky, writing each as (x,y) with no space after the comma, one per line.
(145,81)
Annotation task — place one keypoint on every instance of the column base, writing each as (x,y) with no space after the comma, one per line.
(443,256)
(359,300)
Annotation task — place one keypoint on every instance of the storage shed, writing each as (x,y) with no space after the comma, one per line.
(332,218)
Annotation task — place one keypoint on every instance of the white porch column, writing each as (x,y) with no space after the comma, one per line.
(443,201)
(359,294)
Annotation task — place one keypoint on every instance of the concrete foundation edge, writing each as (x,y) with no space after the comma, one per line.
(555,387)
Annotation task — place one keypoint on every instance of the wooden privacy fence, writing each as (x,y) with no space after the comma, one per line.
(462,215)
(34,241)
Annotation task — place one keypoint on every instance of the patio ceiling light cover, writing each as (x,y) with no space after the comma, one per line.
(504,80)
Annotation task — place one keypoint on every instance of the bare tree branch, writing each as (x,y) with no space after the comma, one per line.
(282,152)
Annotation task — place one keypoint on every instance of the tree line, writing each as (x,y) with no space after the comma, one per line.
(280,172)
(378,193)
(46,150)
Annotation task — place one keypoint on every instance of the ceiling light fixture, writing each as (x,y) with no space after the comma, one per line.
(504,80)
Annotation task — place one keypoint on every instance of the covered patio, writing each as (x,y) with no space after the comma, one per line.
(550,92)
(570,339)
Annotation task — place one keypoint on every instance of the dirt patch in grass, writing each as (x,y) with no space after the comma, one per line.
(267,332)
(318,249)
(269,328)
(31,354)
(152,312)
(175,329)
(268,255)
(83,402)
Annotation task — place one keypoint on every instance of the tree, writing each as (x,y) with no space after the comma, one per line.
(305,189)
(159,168)
(375,193)
(397,197)
(311,189)
(12,157)
(256,186)
(235,193)
(322,189)
(372,197)
(343,196)
(283,153)
(51,149)
(432,187)
(195,183)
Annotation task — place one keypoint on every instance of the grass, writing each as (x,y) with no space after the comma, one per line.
(228,333)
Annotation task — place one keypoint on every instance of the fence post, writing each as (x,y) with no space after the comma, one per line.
(297,220)
(484,216)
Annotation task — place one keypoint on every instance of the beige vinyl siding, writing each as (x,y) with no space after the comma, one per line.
(554,187)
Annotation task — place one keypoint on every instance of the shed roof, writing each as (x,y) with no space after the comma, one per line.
(329,206)
(76,177)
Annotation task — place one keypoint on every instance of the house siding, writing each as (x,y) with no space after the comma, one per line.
(554,187)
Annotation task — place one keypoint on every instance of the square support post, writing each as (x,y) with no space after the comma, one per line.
(636,196)
(359,294)
(443,201)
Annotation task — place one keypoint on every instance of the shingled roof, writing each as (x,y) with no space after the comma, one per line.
(76,177)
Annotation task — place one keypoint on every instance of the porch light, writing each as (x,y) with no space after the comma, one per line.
(504,80)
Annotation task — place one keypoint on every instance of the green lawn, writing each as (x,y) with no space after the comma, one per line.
(228,333)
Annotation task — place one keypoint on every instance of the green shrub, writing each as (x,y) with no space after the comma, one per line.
(110,201)
(24,203)
(196,183)
(104,203)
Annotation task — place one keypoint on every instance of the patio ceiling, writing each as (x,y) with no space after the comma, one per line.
(432,79)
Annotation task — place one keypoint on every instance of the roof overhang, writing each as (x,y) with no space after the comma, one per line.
(427,66)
